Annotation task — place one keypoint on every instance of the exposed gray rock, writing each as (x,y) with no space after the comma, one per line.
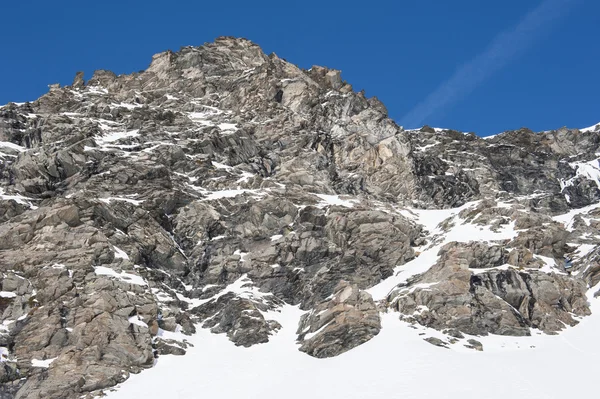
(436,342)
(474,344)
(242,319)
(337,325)
(504,301)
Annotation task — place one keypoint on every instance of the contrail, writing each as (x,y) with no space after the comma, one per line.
(505,47)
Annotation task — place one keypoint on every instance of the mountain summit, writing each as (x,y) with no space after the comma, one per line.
(230,191)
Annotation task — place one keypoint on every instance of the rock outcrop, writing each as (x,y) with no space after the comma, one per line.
(456,293)
(339,324)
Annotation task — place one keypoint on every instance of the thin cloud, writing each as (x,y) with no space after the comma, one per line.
(505,47)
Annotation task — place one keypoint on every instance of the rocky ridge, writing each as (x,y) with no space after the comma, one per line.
(223,184)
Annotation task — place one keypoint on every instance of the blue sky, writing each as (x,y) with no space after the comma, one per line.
(470,65)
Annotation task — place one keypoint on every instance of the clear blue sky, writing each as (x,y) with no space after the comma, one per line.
(547,74)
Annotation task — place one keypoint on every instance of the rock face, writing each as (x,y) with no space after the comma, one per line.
(337,325)
(456,294)
(221,185)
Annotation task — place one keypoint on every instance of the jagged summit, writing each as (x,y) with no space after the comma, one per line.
(222,187)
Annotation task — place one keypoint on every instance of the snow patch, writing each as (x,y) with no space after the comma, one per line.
(123,276)
(591,128)
(569,218)
(12,146)
(120,254)
(18,199)
(116,136)
(42,363)
(131,201)
(328,200)
(137,321)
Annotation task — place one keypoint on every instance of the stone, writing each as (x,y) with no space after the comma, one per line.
(436,342)
(453,294)
(349,319)
(78,82)
(474,344)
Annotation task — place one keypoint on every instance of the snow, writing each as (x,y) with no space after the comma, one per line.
(276,237)
(7,294)
(96,90)
(228,126)
(174,335)
(568,218)
(402,273)
(120,254)
(241,254)
(218,165)
(123,276)
(116,136)
(137,321)
(12,102)
(127,105)
(17,198)
(42,363)
(61,266)
(4,354)
(431,218)
(397,363)
(131,201)
(460,232)
(589,170)
(245,177)
(200,118)
(589,129)
(403,291)
(312,334)
(4,328)
(242,287)
(203,119)
(12,146)
(425,147)
(436,129)
(583,250)
(208,286)
(328,200)
(3,154)
(549,265)
(492,135)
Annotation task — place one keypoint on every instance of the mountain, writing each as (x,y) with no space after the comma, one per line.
(254,229)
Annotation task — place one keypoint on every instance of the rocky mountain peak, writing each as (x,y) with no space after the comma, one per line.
(222,187)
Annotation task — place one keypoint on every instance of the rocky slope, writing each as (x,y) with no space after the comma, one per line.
(222,183)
